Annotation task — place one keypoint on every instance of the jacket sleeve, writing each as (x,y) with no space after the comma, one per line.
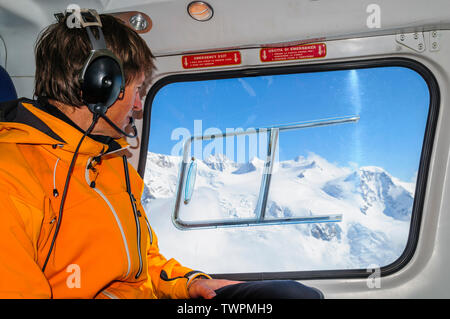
(169,278)
(20,275)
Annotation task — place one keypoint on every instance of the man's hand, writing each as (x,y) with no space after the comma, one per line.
(205,287)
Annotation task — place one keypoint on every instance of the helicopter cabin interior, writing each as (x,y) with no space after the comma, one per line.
(289,139)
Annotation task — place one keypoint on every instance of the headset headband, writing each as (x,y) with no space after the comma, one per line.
(101,78)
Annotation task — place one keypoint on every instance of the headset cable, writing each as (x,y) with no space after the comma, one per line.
(66,186)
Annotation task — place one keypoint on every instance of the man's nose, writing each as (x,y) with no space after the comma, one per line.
(137,102)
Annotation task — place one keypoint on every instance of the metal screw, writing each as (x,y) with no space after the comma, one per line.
(434,45)
(416,36)
(420,46)
(402,37)
(434,34)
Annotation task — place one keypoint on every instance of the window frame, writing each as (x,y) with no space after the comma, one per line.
(260,210)
(423,170)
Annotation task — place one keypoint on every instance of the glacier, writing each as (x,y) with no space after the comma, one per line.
(376,209)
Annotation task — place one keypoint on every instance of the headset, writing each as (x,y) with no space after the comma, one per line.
(101,78)
(102,83)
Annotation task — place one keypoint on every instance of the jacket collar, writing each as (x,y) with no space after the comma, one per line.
(30,122)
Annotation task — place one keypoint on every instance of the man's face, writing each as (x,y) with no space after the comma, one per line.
(121,111)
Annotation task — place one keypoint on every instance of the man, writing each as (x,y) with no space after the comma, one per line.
(105,247)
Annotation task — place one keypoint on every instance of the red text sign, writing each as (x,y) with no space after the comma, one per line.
(211,59)
(299,52)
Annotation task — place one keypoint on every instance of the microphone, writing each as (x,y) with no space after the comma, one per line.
(114,126)
(101,109)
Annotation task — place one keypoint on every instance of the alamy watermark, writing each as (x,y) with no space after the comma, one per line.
(73,20)
(374,18)
(237,144)
(374,279)
(74,278)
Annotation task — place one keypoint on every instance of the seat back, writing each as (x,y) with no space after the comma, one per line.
(7,89)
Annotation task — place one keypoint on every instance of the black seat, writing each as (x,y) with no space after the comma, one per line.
(7,89)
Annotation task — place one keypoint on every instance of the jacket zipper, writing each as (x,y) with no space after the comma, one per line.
(149,230)
(109,295)
(115,216)
(136,213)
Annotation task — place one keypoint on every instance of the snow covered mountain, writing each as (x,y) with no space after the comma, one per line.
(376,209)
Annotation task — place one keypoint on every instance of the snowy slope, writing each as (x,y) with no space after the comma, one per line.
(376,210)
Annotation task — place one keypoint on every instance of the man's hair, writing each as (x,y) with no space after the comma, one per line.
(61,52)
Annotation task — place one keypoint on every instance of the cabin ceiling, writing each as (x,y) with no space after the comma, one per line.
(236,23)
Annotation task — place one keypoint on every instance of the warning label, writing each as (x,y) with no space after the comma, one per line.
(299,52)
(211,59)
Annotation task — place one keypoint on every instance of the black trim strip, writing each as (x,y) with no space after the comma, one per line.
(422,176)
(193,272)
(163,276)
(136,214)
(15,112)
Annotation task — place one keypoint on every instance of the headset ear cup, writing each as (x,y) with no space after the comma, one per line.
(101,83)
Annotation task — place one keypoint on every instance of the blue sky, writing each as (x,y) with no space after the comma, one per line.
(392,103)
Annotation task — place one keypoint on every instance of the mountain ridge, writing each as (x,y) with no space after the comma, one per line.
(376,206)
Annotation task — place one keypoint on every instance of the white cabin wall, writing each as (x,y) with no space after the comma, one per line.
(251,23)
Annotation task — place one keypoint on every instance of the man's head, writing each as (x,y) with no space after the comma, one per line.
(61,53)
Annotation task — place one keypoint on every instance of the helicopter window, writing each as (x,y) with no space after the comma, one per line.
(286,172)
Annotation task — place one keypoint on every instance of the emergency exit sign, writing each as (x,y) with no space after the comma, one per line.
(213,59)
(299,52)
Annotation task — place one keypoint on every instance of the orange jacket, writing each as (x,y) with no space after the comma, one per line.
(96,254)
